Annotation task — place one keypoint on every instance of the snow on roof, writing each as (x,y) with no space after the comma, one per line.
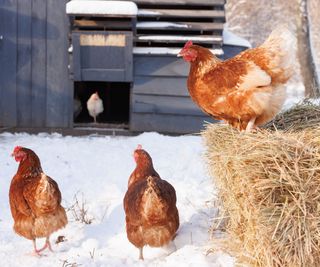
(152,25)
(229,38)
(125,8)
(179,38)
(165,51)
(148,12)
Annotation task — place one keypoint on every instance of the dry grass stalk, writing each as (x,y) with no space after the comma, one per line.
(79,210)
(65,263)
(302,115)
(269,187)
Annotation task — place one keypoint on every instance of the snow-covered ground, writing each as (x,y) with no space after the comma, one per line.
(96,170)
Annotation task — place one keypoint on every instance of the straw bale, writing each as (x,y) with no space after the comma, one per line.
(305,114)
(268,184)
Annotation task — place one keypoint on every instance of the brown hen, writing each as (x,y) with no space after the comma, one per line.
(35,200)
(247,90)
(150,205)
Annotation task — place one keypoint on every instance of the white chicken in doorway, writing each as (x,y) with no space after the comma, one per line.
(94,106)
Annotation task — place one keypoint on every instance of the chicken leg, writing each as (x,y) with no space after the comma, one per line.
(35,252)
(46,245)
(250,125)
(141,253)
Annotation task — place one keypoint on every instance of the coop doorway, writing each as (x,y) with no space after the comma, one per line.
(115,98)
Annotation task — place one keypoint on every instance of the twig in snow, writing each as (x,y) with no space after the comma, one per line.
(79,210)
(92,253)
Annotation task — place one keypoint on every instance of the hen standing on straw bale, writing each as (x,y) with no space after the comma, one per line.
(35,200)
(95,106)
(247,90)
(150,205)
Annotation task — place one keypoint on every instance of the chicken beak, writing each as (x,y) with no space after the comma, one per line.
(180,54)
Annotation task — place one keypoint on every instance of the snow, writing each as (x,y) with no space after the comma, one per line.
(165,51)
(96,170)
(229,38)
(147,12)
(155,25)
(179,38)
(125,8)
(295,94)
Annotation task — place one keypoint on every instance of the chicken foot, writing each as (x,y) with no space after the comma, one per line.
(47,244)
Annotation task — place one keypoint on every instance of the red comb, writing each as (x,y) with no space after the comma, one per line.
(16,149)
(188,44)
(139,146)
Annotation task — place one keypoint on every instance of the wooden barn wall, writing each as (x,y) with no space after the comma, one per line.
(160,100)
(34,83)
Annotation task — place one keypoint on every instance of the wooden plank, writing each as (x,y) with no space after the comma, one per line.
(178,124)
(165,105)
(166,51)
(170,86)
(90,24)
(8,63)
(160,66)
(103,75)
(103,57)
(204,39)
(100,15)
(24,64)
(179,13)
(180,2)
(181,26)
(129,58)
(39,86)
(76,56)
(59,94)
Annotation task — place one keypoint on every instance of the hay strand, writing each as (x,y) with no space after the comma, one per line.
(305,114)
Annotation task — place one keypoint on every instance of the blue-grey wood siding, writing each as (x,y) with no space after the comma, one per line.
(34,83)
(8,62)
(112,63)
(160,100)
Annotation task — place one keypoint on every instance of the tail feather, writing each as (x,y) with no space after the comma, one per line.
(281,47)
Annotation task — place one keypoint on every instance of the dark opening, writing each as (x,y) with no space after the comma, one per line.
(116,103)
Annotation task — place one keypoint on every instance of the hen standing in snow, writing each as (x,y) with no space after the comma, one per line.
(95,106)
(35,200)
(150,205)
(247,90)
